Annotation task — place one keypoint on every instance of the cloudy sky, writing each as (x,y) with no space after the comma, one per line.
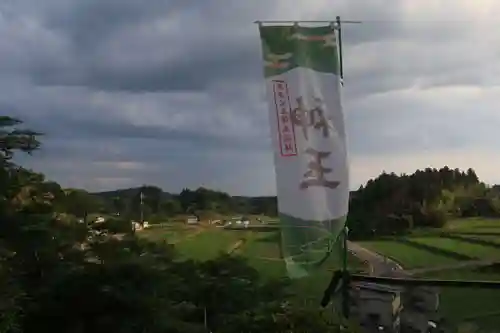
(171,93)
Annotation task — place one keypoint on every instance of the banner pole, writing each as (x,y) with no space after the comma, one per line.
(345,271)
(341,62)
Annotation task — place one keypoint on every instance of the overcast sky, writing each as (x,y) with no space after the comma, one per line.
(171,93)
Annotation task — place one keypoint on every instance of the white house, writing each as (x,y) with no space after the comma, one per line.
(99,219)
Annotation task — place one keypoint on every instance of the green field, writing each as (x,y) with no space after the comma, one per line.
(459,242)
(406,255)
(208,244)
(260,247)
(171,233)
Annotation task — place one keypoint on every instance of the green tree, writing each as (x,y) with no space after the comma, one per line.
(81,203)
(13,138)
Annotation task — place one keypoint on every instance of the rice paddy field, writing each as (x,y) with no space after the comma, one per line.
(462,243)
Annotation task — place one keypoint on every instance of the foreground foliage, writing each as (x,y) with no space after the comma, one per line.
(59,273)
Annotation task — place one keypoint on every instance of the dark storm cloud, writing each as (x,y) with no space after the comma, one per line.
(190,73)
(107,130)
(90,22)
(83,72)
(100,33)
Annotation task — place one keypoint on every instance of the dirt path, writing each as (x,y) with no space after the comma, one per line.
(236,246)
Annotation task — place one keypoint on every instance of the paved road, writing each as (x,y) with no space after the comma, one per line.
(383,266)
(379,265)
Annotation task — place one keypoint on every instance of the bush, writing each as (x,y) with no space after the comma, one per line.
(434,217)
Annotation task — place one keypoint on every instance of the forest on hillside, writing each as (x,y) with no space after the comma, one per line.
(394,204)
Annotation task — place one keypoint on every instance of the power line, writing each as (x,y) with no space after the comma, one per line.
(305,21)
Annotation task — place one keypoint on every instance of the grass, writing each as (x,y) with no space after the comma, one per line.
(475,251)
(473,224)
(208,244)
(408,256)
(170,233)
(460,240)
(263,253)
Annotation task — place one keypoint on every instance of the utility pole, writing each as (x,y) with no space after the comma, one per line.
(142,207)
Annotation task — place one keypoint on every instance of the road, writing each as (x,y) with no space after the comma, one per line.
(379,265)
(383,266)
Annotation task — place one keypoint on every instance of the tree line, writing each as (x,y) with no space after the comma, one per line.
(389,204)
(394,204)
(158,205)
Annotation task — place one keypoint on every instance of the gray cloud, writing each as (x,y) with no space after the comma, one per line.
(171,93)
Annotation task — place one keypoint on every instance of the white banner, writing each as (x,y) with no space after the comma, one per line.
(309,139)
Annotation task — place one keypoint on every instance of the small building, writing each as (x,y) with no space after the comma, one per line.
(376,307)
(192,220)
(136,226)
(100,219)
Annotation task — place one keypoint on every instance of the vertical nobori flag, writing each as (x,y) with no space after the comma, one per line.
(302,73)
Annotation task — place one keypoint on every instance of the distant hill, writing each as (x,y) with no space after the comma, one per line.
(128,192)
(158,202)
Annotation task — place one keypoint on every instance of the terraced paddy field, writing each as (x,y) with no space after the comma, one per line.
(461,240)
(407,255)
(460,243)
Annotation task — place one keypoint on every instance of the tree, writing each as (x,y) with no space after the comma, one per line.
(14,139)
(81,203)
(119,204)
(171,207)
(426,198)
